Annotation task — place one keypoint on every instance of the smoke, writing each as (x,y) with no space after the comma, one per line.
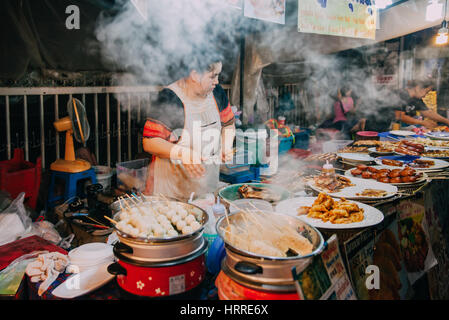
(178,36)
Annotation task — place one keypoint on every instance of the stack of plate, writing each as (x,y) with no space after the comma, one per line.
(355,158)
(91,255)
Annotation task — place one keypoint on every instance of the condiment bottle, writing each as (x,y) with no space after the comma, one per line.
(218,209)
(328,169)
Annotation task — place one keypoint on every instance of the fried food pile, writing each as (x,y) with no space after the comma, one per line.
(372,193)
(337,212)
(332,183)
(251,192)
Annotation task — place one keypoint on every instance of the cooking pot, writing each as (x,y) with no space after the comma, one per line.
(131,240)
(162,278)
(264,272)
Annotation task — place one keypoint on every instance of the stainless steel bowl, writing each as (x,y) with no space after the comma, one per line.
(304,229)
(124,237)
(264,272)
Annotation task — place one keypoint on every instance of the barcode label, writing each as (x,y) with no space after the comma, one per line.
(177,284)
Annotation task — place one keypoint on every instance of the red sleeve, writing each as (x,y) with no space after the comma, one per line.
(156,129)
(227,116)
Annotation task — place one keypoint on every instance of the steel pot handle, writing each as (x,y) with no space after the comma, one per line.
(116,269)
(248,267)
(123,248)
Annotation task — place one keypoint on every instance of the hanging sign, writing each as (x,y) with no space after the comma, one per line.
(346,18)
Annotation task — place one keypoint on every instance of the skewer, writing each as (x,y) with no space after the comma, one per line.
(97,222)
(235,235)
(111,220)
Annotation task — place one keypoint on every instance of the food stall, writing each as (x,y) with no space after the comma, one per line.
(292,218)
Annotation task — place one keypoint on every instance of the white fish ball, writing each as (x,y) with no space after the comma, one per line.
(175,219)
(189,219)
(172,233)
(180,224)
(182,213)
(167,225)
(161,218)
(195,225)
(158,230)
(187,230)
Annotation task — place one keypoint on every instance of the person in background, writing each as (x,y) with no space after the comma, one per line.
(190,130)
(345,109)
(411,103)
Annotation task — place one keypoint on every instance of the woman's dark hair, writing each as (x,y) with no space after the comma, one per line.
(423,83)
(344,90)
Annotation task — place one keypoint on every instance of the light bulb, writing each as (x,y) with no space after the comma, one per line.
(434,10)
(442,37)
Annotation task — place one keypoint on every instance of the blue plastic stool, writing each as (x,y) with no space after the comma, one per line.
(71,181)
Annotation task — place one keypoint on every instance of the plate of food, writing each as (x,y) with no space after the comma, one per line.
(262,191)
(356,157)
(438,135)
(351,188)
(436,153)
(403,133)
(328,213)
(422,164)
(432,143)
(396,176)
(381,150)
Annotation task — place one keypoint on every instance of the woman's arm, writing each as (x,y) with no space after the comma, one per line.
(161,148)
(434,116)
(227,142)
(401,116)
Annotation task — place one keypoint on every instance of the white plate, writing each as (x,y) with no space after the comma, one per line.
(436,148)
(371,215)
(402,184)
(355,157)
(359,186)
(89,280)
(373,150)
(438,135)
(402,133)
(439,165)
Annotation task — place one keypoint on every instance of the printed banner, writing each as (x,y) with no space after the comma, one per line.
(268,10)
(414,238)
(346,18)
(325,278)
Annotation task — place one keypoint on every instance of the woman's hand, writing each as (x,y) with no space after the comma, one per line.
(192,163)
(227,155)
(429,124)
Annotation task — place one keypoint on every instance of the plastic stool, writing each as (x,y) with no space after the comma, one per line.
(71,181)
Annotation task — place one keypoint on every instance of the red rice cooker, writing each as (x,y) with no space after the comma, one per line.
(174,278)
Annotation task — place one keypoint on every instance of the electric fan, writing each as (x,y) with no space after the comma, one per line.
(75,124)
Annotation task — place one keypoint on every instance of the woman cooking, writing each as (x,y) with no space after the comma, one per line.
(190,130)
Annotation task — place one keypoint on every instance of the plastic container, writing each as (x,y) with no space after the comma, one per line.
(104,176)
(241,162)
(302,139)
(132,174)
(328,169)
(254,142)
(218,209)
(285,144)
(335,145)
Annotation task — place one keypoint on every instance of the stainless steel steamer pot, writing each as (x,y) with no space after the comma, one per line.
(159,249)
(264,272)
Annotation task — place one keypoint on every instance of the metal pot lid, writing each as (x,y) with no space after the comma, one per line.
(309,232)
(162,252)
(160,264)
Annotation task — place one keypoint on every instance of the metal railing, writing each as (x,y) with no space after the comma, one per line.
(131,102)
